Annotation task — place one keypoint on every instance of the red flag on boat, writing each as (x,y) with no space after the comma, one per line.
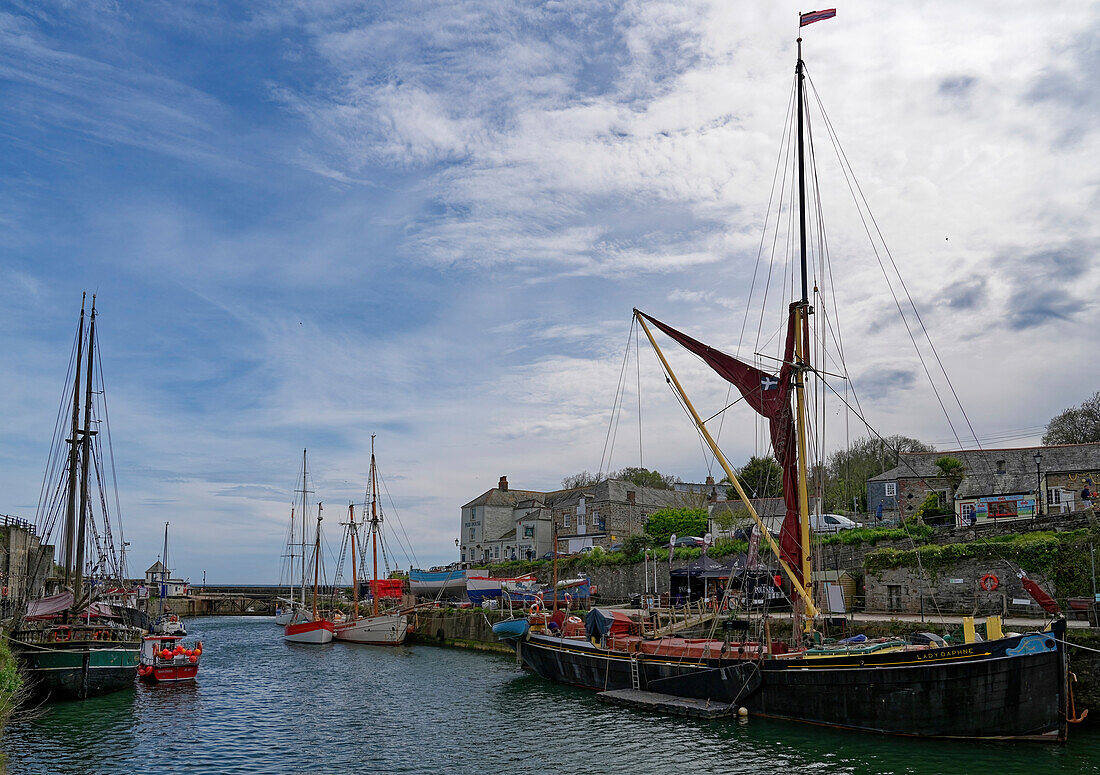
(769,396)
(815,16)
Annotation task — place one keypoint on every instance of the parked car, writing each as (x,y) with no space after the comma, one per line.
(550,555)
(616,547)
(689,541)
(831,523)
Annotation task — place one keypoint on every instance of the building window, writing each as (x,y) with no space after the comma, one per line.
(1054,496)
(601,524)
(528,531)
(471,534)
(968,512)
(891,490)
(473,512)
(565,519)
(1000,466)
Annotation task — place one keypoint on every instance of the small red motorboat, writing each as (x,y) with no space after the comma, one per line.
(166,658)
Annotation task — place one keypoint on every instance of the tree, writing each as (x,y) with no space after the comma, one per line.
(668,521)
(643,477)
(847,471)
(952,469)
(1076,425)
(582,479)
(761,477)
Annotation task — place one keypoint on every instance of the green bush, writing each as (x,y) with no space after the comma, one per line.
(872,535)
(1061,557)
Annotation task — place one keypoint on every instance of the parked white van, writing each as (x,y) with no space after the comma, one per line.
(831,523)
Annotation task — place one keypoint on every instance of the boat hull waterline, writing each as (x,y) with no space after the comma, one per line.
(1011,688)
(315,633)
(382,630)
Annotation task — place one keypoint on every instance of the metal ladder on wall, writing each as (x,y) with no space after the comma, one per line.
(635,682)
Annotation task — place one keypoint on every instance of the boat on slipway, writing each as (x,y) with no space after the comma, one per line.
(316,630)
(379,628)
(441,582)
(73,644)
(480,589)
(1007,687)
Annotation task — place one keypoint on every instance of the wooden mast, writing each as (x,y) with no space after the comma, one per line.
(354,573)
(374,523)
(74,457)
(316,561)
(86,452)
(554,590)
(801,355)
(290,541)
(305,514)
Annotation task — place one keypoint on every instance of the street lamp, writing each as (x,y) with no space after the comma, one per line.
(1038,481)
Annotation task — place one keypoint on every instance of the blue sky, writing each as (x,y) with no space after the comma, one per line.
(310,222)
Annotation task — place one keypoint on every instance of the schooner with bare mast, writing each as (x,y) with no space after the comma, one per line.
(382,628)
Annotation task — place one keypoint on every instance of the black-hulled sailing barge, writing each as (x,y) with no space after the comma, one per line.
(73,644)
(1006,688)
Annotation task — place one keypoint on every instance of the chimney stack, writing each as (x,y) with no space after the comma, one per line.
(503,484)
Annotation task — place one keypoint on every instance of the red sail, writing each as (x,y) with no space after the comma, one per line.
(769,396)
(1041,597)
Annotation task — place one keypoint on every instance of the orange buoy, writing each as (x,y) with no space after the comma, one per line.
(192,659)
(165,654)
(990,582)
(188,652)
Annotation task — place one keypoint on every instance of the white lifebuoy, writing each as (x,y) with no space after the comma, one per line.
(535,608)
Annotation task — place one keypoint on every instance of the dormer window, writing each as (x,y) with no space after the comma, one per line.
(1000,466)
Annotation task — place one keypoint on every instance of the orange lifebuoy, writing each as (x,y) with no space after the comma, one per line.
(62,634)
(535,608)
(990,582)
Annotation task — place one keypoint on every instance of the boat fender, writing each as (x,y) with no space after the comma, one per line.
(990,582)
(568,599)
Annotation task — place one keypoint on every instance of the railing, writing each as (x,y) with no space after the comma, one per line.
(8,519)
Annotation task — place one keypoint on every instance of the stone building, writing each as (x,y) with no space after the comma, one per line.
(157,579)
(504,524)
(1017,483)
(25,564)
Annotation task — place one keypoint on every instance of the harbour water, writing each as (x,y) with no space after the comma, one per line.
(261,705)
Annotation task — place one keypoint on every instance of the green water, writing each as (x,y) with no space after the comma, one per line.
(261,705)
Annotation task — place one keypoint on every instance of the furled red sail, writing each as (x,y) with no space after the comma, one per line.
(1040,597)
(769,395)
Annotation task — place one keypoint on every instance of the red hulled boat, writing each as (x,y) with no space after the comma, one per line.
(166,658)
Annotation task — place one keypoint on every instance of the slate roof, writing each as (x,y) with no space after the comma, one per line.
(157,567)
(982,466)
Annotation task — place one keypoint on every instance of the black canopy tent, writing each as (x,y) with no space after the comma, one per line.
(704,574)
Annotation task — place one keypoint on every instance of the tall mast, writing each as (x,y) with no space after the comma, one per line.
(86,452)
(554,589)
(374,522)
(305,514)
(164,554)
(70,510)
(316,561)
(354,573)
(802,361)
(291,542)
